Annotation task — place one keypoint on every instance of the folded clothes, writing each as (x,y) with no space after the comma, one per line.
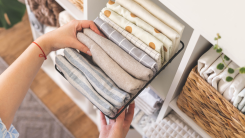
(138,43)
(150,98)
(216,68)
(225,78)
(121,41)
(142,24)
(239,101)
(98,79)
(142,13)
(78,80)
(122,58)
(144,36)
(121,78)
(206,60)
(236,86)
(65,17)
(142,107)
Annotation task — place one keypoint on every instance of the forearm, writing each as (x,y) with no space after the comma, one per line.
(16,80)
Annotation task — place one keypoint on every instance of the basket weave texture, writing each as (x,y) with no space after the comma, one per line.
(78,4)
(209,109)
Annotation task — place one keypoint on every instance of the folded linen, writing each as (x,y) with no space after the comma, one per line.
(150,98)
(122,58)
(144,36)
(144,104)
(138,43)
(78,80)
(142,13)
(225,78)
(98,79)
(216,68)
(239,101)
(122,79)
(206,60)
(65,17)
(167,44)
(236,86)
(122,42)
(143,108)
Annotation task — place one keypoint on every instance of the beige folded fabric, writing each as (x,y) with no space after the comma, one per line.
(167,43)
(142,13)
(123,59)
(110,67)
(162,15)
(144,36)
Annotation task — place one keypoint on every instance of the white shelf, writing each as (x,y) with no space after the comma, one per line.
(72,9)
(188,120)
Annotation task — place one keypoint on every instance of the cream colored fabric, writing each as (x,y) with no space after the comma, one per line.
(144,36)
(142,13)
(162,15)
(142,24)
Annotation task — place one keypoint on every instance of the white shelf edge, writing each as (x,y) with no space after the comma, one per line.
(72,9)
(188,120)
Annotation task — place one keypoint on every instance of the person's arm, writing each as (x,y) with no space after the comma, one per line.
(16,80)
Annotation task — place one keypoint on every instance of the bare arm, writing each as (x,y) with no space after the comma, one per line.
(16,80)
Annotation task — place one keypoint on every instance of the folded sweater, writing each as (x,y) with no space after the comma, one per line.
(236,86)
(121,78)
(239,101)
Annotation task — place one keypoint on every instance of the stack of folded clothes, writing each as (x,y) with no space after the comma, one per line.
(139,42)
(223,74)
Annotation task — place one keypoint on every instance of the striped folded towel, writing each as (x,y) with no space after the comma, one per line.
(78,80)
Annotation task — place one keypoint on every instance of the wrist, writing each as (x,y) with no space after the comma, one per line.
(45,44)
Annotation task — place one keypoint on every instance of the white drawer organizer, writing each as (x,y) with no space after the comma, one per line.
(202,20)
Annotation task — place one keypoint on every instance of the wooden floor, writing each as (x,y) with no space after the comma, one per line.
(12,43)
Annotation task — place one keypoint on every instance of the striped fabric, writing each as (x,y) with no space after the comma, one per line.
(79,81)
(98,79)
(122,42)
(138,43)
(8,133)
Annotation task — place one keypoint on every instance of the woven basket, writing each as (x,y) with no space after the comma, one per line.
(209,109)
(78,4)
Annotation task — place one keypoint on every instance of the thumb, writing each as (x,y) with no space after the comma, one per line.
(83,48)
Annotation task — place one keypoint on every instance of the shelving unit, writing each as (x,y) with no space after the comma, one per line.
(201,25)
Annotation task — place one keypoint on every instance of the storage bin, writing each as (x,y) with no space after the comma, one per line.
(209,109)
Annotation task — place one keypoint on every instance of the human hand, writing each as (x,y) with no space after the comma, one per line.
(66,36)
(119,127)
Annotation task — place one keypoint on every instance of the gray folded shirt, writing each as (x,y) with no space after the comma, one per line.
(121,78)
(128,63)
(127,46)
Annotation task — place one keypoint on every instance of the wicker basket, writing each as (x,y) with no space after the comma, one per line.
(78,4)
(209,109)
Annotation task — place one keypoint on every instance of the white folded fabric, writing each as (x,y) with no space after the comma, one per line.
(162,15)
(215,69)
(153,101)
(206,60)
(65,17)
(144,36)
(225,78)
(144,107)
(237,85)
(239,101)
(142,13)
(142,24)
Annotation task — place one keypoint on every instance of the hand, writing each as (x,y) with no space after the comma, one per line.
(66,36)
(119,127)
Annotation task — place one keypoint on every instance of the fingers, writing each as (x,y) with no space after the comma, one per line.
(102,119)
(130,114)
(87,24)
(120,118)
(80,46)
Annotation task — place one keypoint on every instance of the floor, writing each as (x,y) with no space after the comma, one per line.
(13,42)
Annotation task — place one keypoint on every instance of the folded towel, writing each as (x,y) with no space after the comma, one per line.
(206,60)
(170,127)
(142,24)
(142,107)
(122,42)
(216,68)
(150,98)
(236,86)
(97,78)
(225,78)
(239,101)
(162,15)
(144,36)
(122,58)
(122,79)
(142,13)
(78,80)
(138,43)
(65,17)
(146,120)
